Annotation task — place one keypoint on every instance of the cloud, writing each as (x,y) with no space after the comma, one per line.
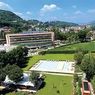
(53,18)
(91,11)
(71,17)
(28,13)
(74,6)
(19,13)
(48,8)
(78,12)
(5,6)
(22,15)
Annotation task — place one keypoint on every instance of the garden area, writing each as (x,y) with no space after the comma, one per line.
(70,49)
(61,85)
(54,85)
(61,53)
(57,85)
(36,58)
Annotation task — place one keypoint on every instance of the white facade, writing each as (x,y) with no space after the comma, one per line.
(31,39)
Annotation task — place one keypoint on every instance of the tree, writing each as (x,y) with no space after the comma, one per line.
(78,57)
(88,65)
(2,74)
(76,78)
(93,82)
(2,34)
(34,77)
(16,56)
(20,55)
(58,34)
(89,35)
(80,82)
(14,72)
(42,53)
(82,35)
(93,28)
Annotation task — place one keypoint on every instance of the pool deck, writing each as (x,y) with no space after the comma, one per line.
(50,66)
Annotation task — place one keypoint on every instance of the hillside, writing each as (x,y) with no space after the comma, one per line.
(92,23)
(51,23)
(60,24)
(9,16)
(10,19)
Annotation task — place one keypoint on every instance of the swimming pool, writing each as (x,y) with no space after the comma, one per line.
(54,66)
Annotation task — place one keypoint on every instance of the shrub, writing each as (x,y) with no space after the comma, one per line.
(93,82)
(42,53)
(88,65)
(78,57)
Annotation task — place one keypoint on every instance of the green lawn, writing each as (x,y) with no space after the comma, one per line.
(35,59)
(57,85)
(63,84)
(86,46)
(54,84)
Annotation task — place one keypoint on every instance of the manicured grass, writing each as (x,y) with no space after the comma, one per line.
(86,46)
(55,84)
(35,59)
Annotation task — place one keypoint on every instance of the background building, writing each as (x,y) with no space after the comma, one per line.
(31,40)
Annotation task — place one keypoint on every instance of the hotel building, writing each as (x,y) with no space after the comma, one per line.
(32,40)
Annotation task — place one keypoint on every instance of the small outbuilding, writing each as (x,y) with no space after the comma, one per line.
(85,87)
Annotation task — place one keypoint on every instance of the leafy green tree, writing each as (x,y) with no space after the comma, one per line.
(14,72)
(2,58)
(42,53)
(2,74)
(16,56)
(78,57)
(34,77)
(93,28)
(76,78)
(20,55)
(88,65)
(80,82)
(2,34)
(82,35)
(93,82)
(89,35)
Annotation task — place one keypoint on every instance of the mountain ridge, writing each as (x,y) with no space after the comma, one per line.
(8,18)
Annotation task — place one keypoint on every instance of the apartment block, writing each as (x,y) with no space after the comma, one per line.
(33,40)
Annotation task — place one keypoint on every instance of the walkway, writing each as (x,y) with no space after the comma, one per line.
(58,74)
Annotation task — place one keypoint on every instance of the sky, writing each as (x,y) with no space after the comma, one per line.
(77,11)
